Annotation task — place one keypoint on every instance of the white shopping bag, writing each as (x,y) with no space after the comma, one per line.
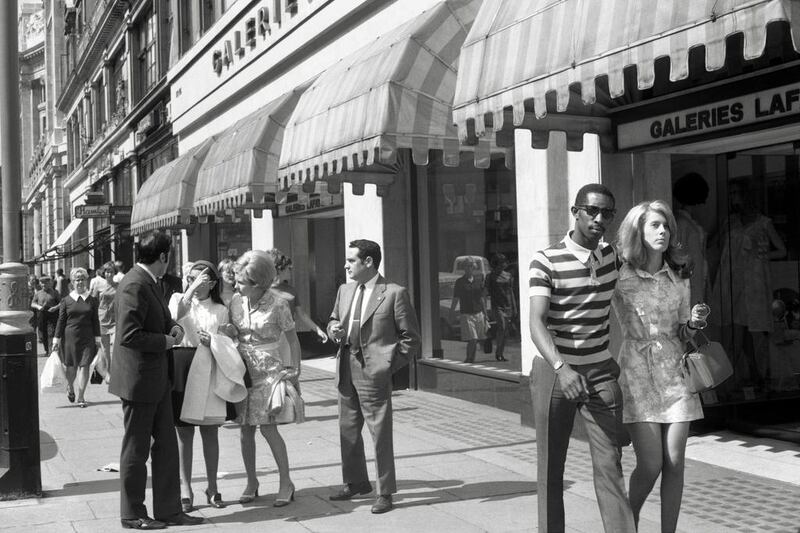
(53,378)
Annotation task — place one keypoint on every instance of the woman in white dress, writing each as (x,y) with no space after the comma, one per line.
(200,312)
(653,307)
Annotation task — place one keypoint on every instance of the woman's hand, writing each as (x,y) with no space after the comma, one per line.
(229,330)
(201,278)
(205,338)
(698,316)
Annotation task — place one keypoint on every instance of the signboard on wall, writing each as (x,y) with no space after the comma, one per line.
(120,214)
(301,204)
(752,108)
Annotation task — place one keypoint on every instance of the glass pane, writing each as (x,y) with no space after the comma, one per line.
(476,244)
(751,256)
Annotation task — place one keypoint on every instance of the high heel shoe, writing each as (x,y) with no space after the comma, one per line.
(283,502)
(248,497)
(187,504)
(215,500)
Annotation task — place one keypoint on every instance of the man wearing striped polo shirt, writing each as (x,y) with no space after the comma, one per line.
(571,284)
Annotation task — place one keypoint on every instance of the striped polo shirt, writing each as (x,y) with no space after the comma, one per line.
(579,284)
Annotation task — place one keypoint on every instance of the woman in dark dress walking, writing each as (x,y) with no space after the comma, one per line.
(78,334)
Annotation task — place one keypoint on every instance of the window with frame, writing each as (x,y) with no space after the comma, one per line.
(196,17)
(148,64)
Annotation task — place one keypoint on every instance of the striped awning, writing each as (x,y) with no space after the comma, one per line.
(165,198)
(395,93)
(71,228)
(241,169)
(518,51)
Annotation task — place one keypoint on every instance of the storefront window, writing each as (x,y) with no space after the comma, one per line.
(753,280)
(233,239)
(475,228)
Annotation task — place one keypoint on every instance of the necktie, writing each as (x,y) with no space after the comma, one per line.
(354,338)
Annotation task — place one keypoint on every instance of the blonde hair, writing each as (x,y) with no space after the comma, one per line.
(78,270)
(257,267)
(630,238)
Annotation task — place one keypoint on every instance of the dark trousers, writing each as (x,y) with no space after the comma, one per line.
(602,414)
(144,420)
(363,400)
(46,328)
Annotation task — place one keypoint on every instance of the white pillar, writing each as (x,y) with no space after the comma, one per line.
(263,231)
(547,181)
(363,215)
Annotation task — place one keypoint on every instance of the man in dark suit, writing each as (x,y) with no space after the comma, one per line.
(145,334)
(376,328)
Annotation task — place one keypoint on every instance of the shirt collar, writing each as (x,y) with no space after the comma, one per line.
(143,267)
(581,254)
(75,295)
(627,271)
(370,284)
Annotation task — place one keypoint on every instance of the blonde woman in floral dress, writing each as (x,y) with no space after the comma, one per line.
(260,317)
(653,307)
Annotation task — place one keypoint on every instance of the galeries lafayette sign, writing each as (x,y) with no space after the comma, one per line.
(735,112)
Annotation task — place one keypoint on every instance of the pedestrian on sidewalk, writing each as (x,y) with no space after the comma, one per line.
(62,284)
(200,312)
(228,279)
(107,315)
(500,286)
(45,304)
(652,303)
(140,377)
(376,328)
(260,319)
(571,284)
(77,334)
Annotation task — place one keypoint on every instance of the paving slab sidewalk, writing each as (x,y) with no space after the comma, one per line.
(461,466)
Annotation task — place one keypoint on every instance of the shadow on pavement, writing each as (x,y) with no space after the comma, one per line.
(81,488)
(47,446)
(414,493)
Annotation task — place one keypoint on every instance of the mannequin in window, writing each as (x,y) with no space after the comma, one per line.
(749,242)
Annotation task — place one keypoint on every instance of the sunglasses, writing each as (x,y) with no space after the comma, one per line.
(593,211)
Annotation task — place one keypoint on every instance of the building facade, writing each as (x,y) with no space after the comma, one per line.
(106,69)
(460,130)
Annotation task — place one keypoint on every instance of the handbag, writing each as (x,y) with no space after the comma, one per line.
(53,378)
(285,404)
(705,364)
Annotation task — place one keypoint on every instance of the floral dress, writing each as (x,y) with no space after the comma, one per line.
(651,310)
(260,328)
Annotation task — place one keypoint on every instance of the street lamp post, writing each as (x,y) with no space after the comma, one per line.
(20,471)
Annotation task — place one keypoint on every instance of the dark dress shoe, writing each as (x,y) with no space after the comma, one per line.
(350,490)
(183,519)
(383,504)
(142,523)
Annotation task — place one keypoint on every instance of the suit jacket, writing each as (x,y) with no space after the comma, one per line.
(140,371)
(389,330)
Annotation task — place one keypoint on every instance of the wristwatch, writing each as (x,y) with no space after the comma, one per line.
(558,365)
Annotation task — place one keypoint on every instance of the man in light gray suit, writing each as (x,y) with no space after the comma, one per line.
(376,328)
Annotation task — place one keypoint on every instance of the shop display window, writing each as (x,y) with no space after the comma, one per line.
(474,227)
(233,239)
(752,262)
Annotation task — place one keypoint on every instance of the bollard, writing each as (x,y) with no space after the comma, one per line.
(20,469)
